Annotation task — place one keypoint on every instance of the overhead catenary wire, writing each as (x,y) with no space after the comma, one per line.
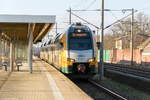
(146,8)
(84,20)
(120,20)
(115,17)
(117,21)
(91,4)
(79,4)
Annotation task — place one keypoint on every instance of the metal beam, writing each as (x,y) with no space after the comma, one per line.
(131,39)
(6,36)
(85,20)
(101,65)
(70,17)
(42,31)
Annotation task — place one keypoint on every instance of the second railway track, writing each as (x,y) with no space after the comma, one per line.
(110,92)
(129,75)
(139,72)
(97,91)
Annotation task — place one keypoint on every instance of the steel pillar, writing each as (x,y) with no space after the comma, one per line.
(11,57)
(30,44)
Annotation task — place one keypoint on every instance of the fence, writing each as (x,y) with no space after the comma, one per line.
(124,56)
(106,55)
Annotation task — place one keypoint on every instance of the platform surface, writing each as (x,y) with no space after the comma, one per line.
(45,83)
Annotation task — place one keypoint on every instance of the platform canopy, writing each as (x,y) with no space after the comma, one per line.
(17,27)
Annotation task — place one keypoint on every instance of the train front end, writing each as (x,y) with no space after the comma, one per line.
(81,50)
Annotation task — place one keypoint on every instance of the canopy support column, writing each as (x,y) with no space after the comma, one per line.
(3,50)
(11,57)
(30,44)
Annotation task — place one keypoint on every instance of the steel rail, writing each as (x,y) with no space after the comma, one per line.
(144,79)
(112,93)
(131,73)
(128,69)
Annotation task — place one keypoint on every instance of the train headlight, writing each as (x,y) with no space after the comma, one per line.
(71,60)
(91,60)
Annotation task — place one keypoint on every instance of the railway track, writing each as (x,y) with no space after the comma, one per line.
(106,90)
(97,91)
(129,66)
(129,75)
(141,72)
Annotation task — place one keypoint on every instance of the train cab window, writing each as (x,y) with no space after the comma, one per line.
(80,41)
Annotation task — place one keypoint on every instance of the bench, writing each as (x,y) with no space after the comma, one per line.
(5,64)
(18,64)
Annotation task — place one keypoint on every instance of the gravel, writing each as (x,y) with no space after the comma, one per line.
(92,91)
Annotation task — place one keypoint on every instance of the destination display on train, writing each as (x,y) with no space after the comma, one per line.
(79,34)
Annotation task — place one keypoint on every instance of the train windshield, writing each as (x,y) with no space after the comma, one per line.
(80,41)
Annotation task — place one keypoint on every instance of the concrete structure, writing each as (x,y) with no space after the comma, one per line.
(145,47)
(121,42)
(46,83)
(124,41)
(26,29)
(145,51)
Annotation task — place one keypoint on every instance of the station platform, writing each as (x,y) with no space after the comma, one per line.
(45,83)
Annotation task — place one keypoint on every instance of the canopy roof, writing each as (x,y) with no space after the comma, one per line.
(16,27)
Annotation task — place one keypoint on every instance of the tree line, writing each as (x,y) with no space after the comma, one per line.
(123,30)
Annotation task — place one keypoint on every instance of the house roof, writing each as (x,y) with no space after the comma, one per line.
(144,44)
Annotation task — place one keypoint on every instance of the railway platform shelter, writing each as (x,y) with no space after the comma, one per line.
(17,35)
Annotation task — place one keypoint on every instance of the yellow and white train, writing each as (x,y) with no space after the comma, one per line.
(74,52)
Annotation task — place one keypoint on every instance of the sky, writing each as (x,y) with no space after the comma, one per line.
(59,7)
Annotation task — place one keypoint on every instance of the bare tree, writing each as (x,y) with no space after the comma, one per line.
(123,29)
